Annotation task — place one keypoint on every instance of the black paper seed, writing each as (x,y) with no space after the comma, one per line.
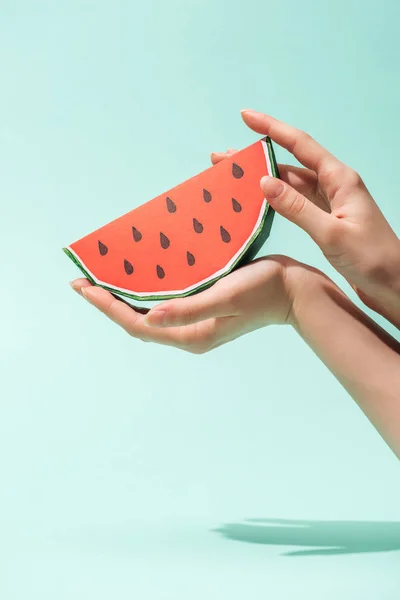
(225,235)
(236,206)
(171,206)
(164,241)
(128,267)
(102,248)
(237,171)
(137,236)
(198,227)
(190,259)
(207,196)
(160,272)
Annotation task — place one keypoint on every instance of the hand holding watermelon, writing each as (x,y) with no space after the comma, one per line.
(332,204)
(278,290)
(251,297)
(326,199)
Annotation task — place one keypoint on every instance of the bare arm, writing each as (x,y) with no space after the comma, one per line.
(362,356)
(278,290)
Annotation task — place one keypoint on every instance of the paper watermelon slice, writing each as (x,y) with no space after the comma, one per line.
(187,238)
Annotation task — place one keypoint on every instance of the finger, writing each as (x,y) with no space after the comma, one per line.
(300,144)
(194,337)
(217,157)
(305,182)
(193,309)
(115,309)
(197,338)
(78,284)
(295,207)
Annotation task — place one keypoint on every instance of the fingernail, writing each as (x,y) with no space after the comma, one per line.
(75,287)
(231,150)
(252,112)
(156,318)
(85,293)
(272,187)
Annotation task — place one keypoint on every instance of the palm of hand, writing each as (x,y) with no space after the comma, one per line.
(247,299)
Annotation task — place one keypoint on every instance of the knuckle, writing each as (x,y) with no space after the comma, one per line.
(208,334)
(352,178)
(195,350)
(112,306)
(301,139)
(200,349)
(181,314)
(305,137)
(325,177)
(228,295)
(294,204)
(338,177)
(130,331)
(231,301)
(198,340)
(188,315)
(334,234)
(332,176)
(185,339)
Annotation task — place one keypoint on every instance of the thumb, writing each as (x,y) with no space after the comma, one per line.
(295,207)
(186,311)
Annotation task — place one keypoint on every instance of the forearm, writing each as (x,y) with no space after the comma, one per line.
(362,356)
(389,305)
(385,286)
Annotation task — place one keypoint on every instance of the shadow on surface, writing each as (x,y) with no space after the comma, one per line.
(320,538)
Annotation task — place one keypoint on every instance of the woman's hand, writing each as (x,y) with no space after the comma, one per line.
(363,357)
(258,294)
(331,203)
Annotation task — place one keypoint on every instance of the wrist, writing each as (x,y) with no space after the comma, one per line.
(383,292)
(393,280)
(302,282)
(283,281)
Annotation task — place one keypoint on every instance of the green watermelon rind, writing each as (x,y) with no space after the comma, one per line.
(251,249)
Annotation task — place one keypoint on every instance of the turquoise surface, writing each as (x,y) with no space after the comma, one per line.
(130,470)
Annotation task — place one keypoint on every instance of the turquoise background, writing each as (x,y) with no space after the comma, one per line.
(119,460)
